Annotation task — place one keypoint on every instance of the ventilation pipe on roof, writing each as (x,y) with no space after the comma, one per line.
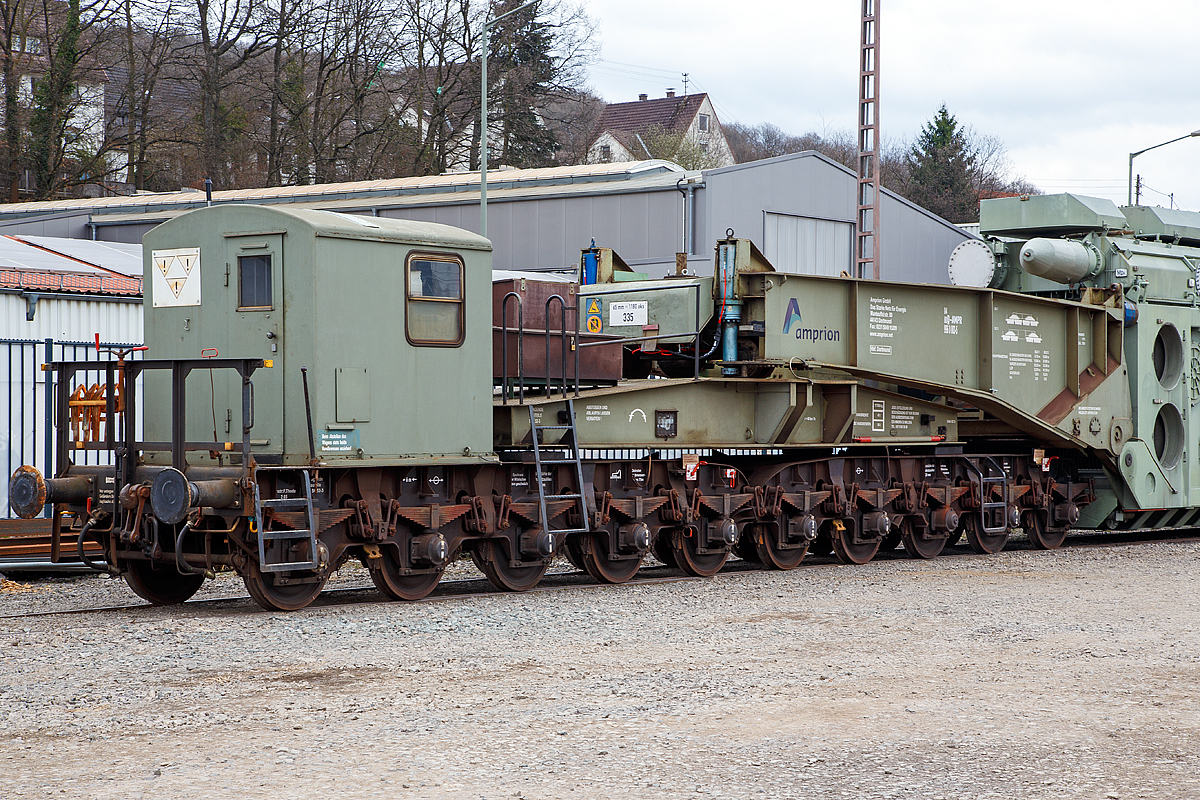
(643,97)
(670,92)
(208,191)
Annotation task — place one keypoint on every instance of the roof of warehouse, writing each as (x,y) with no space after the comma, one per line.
(44,264)
(655,181)
(457,182)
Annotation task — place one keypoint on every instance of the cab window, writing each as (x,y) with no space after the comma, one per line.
(434,306)
(254,282)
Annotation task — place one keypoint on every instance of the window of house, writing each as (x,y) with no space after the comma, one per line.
(605,153)
(434,305)
(704,147)
(703,123)
(254,282)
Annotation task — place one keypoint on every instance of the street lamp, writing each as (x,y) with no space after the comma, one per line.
(483,117)
(1139,152)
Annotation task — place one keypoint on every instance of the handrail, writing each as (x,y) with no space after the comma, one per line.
(562,304)
(520,347)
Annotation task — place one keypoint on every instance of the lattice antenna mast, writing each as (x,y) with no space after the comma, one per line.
(867,233)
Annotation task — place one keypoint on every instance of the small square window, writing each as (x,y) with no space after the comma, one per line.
(605,153)
(703,123)
(254,282)
(434,300)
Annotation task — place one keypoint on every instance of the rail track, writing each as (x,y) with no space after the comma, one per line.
(563,581)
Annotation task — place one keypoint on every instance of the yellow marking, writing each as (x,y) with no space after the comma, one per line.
(229,445)
(79,445)
(268,363)
(839,525)
(593,306)
(594,324)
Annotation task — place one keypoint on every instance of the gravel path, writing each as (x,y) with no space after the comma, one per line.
(1071,674)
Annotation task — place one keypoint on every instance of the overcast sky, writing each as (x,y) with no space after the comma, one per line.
(1070,87)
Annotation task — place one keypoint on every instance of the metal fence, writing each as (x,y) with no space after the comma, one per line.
(28,426)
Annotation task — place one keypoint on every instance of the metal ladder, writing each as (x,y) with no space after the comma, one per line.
(284,537)
(986,481)
(573,458)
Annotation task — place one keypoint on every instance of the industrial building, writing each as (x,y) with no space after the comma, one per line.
(799,209)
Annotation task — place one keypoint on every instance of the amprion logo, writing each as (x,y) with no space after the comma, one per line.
(803,333)
(793,314)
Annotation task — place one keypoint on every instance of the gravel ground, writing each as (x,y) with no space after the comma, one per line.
(1070,674)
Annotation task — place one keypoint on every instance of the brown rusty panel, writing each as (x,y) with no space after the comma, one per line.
(628,507)
(423,515)
(326,518)
(534,294)
(530,511)
(595,363)
(716,502)
(1057,409)
(26,538)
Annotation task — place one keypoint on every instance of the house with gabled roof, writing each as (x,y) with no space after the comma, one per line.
(632,131)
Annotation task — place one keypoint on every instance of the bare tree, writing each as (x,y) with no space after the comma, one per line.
(229,34)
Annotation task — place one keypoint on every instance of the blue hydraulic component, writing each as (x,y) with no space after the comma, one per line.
(1131,314)
(731,307)
(589,265)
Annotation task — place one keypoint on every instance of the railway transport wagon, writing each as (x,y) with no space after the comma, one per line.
(322,387)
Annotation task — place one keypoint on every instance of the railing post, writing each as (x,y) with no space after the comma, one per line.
(49,402)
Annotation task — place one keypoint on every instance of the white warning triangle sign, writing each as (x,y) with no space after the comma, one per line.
(176,276)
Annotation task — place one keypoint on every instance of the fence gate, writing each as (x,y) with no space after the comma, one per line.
(28,427)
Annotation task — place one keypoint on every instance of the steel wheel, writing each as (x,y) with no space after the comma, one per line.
(491,556)
(983,543)
(274,596)
(1039,533)
(916,544)
(389,577)
(766,546)
(593,549)
(848,551)
(702,565)
(161,585)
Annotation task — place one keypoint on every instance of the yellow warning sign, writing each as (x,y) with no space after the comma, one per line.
(593,306)
(595,324)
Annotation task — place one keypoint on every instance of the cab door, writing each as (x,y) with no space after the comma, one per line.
(254,266)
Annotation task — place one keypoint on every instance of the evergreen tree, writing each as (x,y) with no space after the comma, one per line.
(523,55)
(54,102)
(942,167)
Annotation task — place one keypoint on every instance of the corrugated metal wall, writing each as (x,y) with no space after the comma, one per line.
(916,245)
(548,233)
(807,246)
